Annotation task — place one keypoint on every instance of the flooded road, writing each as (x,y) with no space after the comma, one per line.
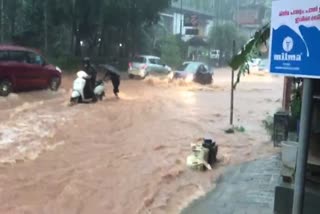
(127,155)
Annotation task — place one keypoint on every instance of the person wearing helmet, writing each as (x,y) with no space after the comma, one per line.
(91,71)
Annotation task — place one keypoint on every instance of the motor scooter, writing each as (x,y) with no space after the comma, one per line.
(79,86)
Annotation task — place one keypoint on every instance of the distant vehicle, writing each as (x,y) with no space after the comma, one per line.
(194,71)
(254,64)
(26,69)
(142,66)
(263,65)
(214,54)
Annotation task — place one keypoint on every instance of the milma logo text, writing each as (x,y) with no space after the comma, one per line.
(287,46)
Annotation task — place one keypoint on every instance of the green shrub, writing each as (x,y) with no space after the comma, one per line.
(268,125)
(171,51)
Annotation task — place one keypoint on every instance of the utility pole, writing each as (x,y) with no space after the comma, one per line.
(232,86)
(304,142)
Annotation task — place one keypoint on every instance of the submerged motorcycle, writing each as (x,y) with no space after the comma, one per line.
(79,91)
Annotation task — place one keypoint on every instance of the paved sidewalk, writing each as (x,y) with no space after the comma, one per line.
(245,189)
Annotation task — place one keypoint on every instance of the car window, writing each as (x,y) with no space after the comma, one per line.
(139,60)
(183,67)
(159,62)
(4,56)
(202,69)
(192,68)
(155,61)
(18,56)
(35,59)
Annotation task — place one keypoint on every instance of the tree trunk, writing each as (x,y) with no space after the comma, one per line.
(45,10)
(74,24)
(12,26)
(72,38)
(2,21)
(78,45)
(12,19)
(101,44)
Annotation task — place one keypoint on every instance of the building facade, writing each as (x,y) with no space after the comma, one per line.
(200,12)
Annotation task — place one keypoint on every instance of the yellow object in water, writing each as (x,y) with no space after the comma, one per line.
(198,160)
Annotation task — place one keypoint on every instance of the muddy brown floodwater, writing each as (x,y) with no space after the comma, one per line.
(127,155)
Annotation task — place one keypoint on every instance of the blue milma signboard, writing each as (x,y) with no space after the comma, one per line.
(295,38)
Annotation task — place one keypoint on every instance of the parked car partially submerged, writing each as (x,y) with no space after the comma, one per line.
(194,72)
(142,66)
(26,69)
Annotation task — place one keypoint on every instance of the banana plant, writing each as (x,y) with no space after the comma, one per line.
(240,61)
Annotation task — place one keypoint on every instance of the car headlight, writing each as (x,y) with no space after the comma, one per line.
(142,72)
(58,69)
(189,78)
(171,75)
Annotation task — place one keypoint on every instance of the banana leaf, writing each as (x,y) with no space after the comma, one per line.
(240,61)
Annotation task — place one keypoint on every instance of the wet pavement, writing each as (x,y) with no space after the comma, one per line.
(245,189)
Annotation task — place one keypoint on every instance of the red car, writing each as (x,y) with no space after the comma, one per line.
(24,69)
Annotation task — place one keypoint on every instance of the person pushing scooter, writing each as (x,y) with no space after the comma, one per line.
(114,75)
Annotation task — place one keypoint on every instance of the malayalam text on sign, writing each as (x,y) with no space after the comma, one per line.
(295,38)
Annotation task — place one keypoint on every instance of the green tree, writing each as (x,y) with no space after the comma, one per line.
(249,51)
(171,51)
(222,36)
(61,25)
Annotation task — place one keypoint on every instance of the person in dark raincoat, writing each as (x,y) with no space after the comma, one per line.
(91,82)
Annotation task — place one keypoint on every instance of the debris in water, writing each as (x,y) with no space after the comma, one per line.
(204,154)
(234,129)
(229,131)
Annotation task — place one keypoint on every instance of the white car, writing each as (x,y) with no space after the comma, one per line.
(143,65)
(254,64)
(264,65)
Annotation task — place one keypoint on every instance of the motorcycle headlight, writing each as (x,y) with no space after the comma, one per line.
(189,78)
(58,69)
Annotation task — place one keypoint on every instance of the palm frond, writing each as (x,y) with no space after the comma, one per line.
(249,51)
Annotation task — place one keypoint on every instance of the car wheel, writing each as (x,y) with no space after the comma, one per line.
(5,88)
(131,76)
(54,84)
(145,76)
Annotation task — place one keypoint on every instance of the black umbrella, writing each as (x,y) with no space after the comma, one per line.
(111,69)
